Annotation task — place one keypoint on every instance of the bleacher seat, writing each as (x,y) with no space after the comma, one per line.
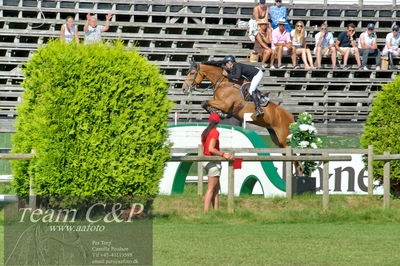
(204,30)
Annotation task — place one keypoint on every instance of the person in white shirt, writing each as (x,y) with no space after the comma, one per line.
(93,31)
(299,36)
(69,31)
(367,46)
(324,45)
(391,48)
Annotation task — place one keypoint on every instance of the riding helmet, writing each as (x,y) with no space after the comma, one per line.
(229,58)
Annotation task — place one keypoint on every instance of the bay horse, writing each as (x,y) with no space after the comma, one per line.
(228,99)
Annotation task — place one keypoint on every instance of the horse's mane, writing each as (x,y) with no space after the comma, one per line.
(214,63)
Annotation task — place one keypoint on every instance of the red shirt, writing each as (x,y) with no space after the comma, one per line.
(214,134)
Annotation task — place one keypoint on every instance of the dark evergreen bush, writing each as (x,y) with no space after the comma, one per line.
(382,129)
(96,116)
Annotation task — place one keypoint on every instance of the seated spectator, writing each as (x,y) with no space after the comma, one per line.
(282,44)
(299,36)
(93,31)
(391,48)
(324,45)
(367,46)
(260,11)
(346,44)
(277,12)
(262,45)
(69,31)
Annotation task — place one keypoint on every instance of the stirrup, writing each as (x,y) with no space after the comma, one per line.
(258,113)
(259,110)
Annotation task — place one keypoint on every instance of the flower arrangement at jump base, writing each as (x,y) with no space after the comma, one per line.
(303,134)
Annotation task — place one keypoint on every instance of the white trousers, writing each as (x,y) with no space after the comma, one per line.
(256,81)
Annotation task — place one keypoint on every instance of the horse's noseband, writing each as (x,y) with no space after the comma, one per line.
(193,85)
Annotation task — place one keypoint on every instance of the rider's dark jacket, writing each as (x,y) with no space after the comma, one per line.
(238,70)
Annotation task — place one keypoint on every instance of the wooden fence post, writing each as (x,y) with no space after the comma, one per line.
(231,187)
(200,172)
(325,183)
(289,174)
(370,170)
(386,182)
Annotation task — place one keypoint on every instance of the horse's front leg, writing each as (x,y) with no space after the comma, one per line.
(217,106)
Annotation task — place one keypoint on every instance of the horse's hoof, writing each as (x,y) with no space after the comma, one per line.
(222,115)
(204,105)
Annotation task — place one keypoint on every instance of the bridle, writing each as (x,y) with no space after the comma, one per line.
(194,86)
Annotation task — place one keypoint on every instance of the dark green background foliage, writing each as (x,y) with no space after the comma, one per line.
(96,115)
(382,128)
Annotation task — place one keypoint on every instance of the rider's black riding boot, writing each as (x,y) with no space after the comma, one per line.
(390,56)
(259,110)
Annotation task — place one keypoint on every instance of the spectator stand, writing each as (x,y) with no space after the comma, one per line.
(339,100)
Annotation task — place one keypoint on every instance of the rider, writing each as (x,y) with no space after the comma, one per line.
(234,70)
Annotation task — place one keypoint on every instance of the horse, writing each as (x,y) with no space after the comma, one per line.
(228,99)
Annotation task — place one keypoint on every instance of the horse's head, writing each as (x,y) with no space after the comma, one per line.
(193,77)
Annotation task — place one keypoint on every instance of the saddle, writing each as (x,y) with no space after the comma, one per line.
(262,96)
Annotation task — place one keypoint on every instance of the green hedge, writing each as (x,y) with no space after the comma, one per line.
(382,129)
(96,116)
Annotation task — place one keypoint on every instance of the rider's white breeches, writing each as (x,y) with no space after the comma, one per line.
(256,81)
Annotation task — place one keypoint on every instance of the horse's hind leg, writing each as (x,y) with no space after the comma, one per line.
(281,139)
(274,137)
(278,136)
(281,134)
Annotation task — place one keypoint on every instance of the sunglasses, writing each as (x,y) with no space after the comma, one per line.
(300,26)
(324,28)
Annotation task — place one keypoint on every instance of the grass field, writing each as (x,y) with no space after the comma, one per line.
(275,244)
(354,231)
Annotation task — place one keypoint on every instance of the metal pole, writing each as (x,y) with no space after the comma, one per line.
(200,172)
(32,194)
(231,187)
(289,174)
(370,170)
(386,183)
(325,183)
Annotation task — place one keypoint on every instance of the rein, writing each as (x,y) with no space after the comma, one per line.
(211,86)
